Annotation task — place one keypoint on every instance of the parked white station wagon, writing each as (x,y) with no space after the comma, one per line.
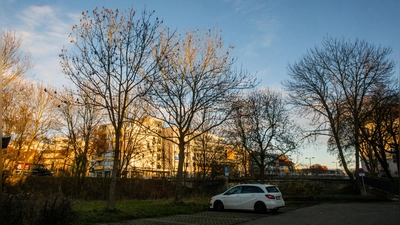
(255,197)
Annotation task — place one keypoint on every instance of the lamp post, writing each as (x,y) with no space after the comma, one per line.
(336,164)
(309,158)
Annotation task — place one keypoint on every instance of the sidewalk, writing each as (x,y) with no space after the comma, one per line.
(381,213)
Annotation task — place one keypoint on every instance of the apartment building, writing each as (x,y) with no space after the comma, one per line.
(204,155)
(141,155)
(145,154)
(55,154)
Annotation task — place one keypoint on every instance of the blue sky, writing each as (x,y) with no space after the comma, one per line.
(267,34)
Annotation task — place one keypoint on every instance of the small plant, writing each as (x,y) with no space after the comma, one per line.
(24,209)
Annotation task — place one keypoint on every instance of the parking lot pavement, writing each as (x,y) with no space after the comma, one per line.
(381,213)
(227,217)
(373,213)
(201,218)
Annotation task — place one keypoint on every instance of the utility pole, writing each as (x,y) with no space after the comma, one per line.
(309,158)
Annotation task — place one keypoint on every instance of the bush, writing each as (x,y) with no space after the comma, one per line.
(25,209)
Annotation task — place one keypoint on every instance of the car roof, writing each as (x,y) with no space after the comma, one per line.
(260,185)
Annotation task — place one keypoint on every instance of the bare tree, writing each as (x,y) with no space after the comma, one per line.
(209,147)
(264,128)
(112,65)
(28,117)
(380,134)
(228,130)
(196,76)
(332,82)
(15,63)
(134,133)
(82,120)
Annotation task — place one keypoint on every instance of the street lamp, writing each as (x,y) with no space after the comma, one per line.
(309,158)
(336,164)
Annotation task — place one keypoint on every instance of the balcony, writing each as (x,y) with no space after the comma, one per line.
(108,168)
(99,168)
(99,159)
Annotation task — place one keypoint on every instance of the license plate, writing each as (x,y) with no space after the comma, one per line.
(278,197)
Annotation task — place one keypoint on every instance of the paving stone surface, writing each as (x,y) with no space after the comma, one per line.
(373,213)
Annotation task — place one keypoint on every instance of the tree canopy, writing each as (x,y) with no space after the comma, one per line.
(331,85)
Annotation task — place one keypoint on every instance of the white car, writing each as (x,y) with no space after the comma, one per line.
(255,197)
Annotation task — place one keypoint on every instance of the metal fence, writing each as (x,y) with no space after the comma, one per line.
(383,184)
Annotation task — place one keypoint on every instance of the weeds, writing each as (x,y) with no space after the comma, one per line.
(24,209)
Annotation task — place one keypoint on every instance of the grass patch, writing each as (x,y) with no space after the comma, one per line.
(93,212)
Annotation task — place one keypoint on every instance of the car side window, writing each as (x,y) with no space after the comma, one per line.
(251,189)
(247,189)
(235,190)
(257,190)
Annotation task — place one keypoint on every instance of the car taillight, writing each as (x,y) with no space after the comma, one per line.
(270,196)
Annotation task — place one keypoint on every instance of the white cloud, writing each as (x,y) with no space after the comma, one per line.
(266,26)
(44,31)
(35,16)
(260,17)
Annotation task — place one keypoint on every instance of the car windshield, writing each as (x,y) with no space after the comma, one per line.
(272,189)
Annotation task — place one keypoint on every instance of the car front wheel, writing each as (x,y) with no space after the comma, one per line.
(218,206)
(260,207)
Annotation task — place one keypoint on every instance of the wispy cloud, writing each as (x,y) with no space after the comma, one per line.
(260,16)
(44,28)
(44,31)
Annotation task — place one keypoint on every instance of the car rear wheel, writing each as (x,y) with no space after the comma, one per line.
(260,207)
(218,206)
(274,210)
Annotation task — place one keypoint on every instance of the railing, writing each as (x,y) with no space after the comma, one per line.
(100,158)
(109,167)
(98,167)
(380,183)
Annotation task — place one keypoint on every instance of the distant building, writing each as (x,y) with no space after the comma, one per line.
(141,153)
(276,165)
(144,154)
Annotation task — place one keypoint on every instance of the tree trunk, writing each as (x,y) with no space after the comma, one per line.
(113,184)
(178,185)
(344,164)
(262,171)
(357,153)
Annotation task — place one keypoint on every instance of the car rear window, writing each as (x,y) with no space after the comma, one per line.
(272,189)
